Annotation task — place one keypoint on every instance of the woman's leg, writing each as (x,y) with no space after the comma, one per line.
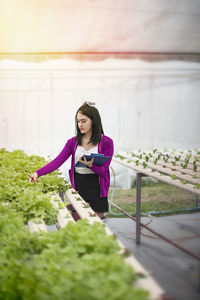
(75,215)
(100,214)
(88,187)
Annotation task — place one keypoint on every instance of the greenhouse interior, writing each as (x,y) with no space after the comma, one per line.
(100,149)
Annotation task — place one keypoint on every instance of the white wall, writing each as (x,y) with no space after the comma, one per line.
(142,105)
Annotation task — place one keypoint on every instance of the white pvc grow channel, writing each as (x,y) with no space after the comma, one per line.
(63,217)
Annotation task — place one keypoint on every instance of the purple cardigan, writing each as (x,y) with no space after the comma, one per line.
(105,146)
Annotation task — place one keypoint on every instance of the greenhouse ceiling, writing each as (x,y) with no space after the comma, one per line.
(55,28)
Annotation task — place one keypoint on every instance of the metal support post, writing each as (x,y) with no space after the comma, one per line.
(138,207)
(197,201)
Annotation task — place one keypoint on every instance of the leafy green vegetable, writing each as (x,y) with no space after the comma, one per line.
(35,204)
(184,166)
(155,161)
(120,156)
(188,156)
(195,165)
(197,158)
(144,165)
(72,263)
(30,199)
(187,160)
(195,168)
(183,181)
(85,205)
(165,158)
(60,205)
(197,186)
(177,158)
(78,199)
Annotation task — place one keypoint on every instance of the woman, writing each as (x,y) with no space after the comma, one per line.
(91,181)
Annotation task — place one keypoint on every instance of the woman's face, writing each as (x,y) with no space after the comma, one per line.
(84,123)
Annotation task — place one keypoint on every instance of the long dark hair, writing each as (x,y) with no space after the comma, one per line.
(91,112)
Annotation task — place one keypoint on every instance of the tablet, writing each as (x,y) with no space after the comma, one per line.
(99,159)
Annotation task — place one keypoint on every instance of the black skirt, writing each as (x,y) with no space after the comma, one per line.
(87,185)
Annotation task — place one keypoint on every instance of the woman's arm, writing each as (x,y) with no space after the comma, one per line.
(107,151)
(57,162)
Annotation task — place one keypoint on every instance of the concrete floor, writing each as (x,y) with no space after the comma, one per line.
(176,272)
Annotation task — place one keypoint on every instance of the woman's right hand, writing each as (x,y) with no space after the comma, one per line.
(33,177)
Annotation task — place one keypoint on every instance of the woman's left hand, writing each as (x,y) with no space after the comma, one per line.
(86,162)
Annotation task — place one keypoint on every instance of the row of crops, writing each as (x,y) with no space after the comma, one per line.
(180,168)
(78,261)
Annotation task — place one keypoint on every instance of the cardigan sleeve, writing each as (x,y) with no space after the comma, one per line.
(58,161)
(107,150)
